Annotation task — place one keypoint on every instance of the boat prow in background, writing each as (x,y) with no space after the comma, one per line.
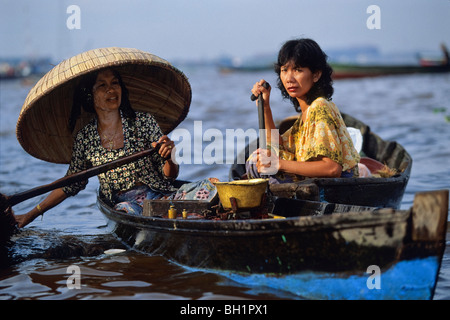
(386,192)
(316,251)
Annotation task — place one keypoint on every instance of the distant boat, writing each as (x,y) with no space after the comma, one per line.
(358,71)
(425,65)
(18,68)
(353,70)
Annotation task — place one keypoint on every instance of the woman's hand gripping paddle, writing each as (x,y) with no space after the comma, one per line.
(261,120)
(7,220)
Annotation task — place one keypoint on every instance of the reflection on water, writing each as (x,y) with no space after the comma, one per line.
(411,110)
(124,276)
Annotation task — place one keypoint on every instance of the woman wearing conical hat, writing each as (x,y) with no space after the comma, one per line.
(102,105)
(115,129)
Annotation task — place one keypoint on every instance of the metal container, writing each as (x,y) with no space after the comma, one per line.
(248,194)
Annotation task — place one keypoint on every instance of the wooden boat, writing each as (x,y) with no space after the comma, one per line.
(372,192)
(317,251)
(354,70)
(348,71)
(425,65)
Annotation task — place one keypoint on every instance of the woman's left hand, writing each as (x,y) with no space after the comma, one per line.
(166,147)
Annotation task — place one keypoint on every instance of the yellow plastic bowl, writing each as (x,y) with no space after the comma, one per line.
(248,193)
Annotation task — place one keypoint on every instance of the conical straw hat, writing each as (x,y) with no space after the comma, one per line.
(154,86)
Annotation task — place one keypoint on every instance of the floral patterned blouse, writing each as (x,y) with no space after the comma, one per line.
(88,152)
(323,133)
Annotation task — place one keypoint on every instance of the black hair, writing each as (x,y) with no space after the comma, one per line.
(306,53)
(83,98)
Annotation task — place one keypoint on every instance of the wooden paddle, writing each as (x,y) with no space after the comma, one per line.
(6,202)
(261,120)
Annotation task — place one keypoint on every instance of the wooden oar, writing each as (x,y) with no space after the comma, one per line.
(261,120)
(6,202)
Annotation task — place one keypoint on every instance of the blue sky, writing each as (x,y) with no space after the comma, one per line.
(198,29)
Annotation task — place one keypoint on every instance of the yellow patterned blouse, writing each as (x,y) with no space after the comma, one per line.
(323,133)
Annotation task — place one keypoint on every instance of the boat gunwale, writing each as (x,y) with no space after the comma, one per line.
(349,181)
(246,227)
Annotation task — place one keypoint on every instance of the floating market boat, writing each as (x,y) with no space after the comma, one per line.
(347,71)
(354,70)
(373,191)
(313,249)
(351,71)
(425,65)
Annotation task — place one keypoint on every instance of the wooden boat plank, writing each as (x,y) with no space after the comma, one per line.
(429,216)
(158,207)
(305,190)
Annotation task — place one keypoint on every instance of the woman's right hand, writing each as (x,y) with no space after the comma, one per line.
(53,199)
(166,148)
(24,219)
(258,88)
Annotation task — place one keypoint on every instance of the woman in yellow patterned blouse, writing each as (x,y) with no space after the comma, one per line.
(318,144)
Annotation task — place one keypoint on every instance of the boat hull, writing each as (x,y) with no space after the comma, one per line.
(275,252)
(405,280)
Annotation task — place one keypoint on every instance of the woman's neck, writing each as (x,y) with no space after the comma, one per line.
(303,106)
(110,130)
(108,120)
